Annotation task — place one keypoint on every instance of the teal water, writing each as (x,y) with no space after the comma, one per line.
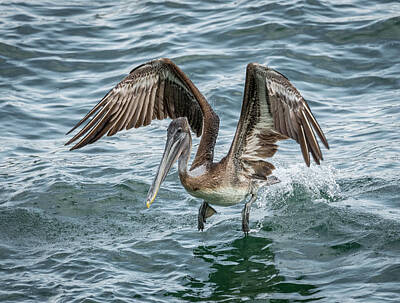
(74,226)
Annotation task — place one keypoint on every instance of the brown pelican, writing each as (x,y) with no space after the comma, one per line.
(272,110)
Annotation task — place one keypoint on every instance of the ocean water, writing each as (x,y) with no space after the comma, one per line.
(74,226)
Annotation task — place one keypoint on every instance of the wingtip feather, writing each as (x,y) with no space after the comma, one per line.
(70,131)
(316,126)
(304,148)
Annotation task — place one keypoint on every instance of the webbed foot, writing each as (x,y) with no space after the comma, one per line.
(246,215)
(205,211)
(245,220)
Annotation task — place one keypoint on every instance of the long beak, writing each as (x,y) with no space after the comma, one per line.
(172,151)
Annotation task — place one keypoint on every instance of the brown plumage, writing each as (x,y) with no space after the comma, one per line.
(154,90)
(272,110)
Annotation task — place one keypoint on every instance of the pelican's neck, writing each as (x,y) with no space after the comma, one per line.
(205,152)
(184,159)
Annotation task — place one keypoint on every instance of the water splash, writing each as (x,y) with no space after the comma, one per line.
(317,183)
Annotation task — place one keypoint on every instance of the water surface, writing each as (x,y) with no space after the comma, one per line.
(74,226)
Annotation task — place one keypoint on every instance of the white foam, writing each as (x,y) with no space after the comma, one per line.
(317,182)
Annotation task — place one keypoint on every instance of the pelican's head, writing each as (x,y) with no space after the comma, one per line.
(178,141)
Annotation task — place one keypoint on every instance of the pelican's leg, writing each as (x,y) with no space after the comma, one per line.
(246,214)
(205,211)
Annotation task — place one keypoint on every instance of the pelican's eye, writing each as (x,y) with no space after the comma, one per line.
(179,130)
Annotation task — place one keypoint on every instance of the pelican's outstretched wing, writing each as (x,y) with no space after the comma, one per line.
(272,110)
(155,90)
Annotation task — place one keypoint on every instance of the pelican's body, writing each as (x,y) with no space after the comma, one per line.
(272,110)
(215,185)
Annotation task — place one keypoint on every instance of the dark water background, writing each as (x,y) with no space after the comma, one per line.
(74,226)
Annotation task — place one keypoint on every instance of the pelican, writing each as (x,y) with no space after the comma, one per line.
(272,110)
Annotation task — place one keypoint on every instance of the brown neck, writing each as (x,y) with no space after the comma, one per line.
(205,152)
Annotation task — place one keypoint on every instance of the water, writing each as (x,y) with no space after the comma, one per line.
(74,226)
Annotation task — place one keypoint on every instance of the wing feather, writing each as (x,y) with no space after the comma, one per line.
(141,107)
(138,109)
(129,112)
(160,112)
(316,126)
(89,137)
(313,143)
(151,114)
(92,122)
(282,127)
(133,111)
(304,146)
(315,157)
(99,105)
(155,90)
(120,116)
(272,110)
(170,99)
(288,122)
(294,124)
(119,107)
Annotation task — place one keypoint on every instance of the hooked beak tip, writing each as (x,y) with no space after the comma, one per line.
(150,201)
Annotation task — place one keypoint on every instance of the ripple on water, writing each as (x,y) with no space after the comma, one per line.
(73,225)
